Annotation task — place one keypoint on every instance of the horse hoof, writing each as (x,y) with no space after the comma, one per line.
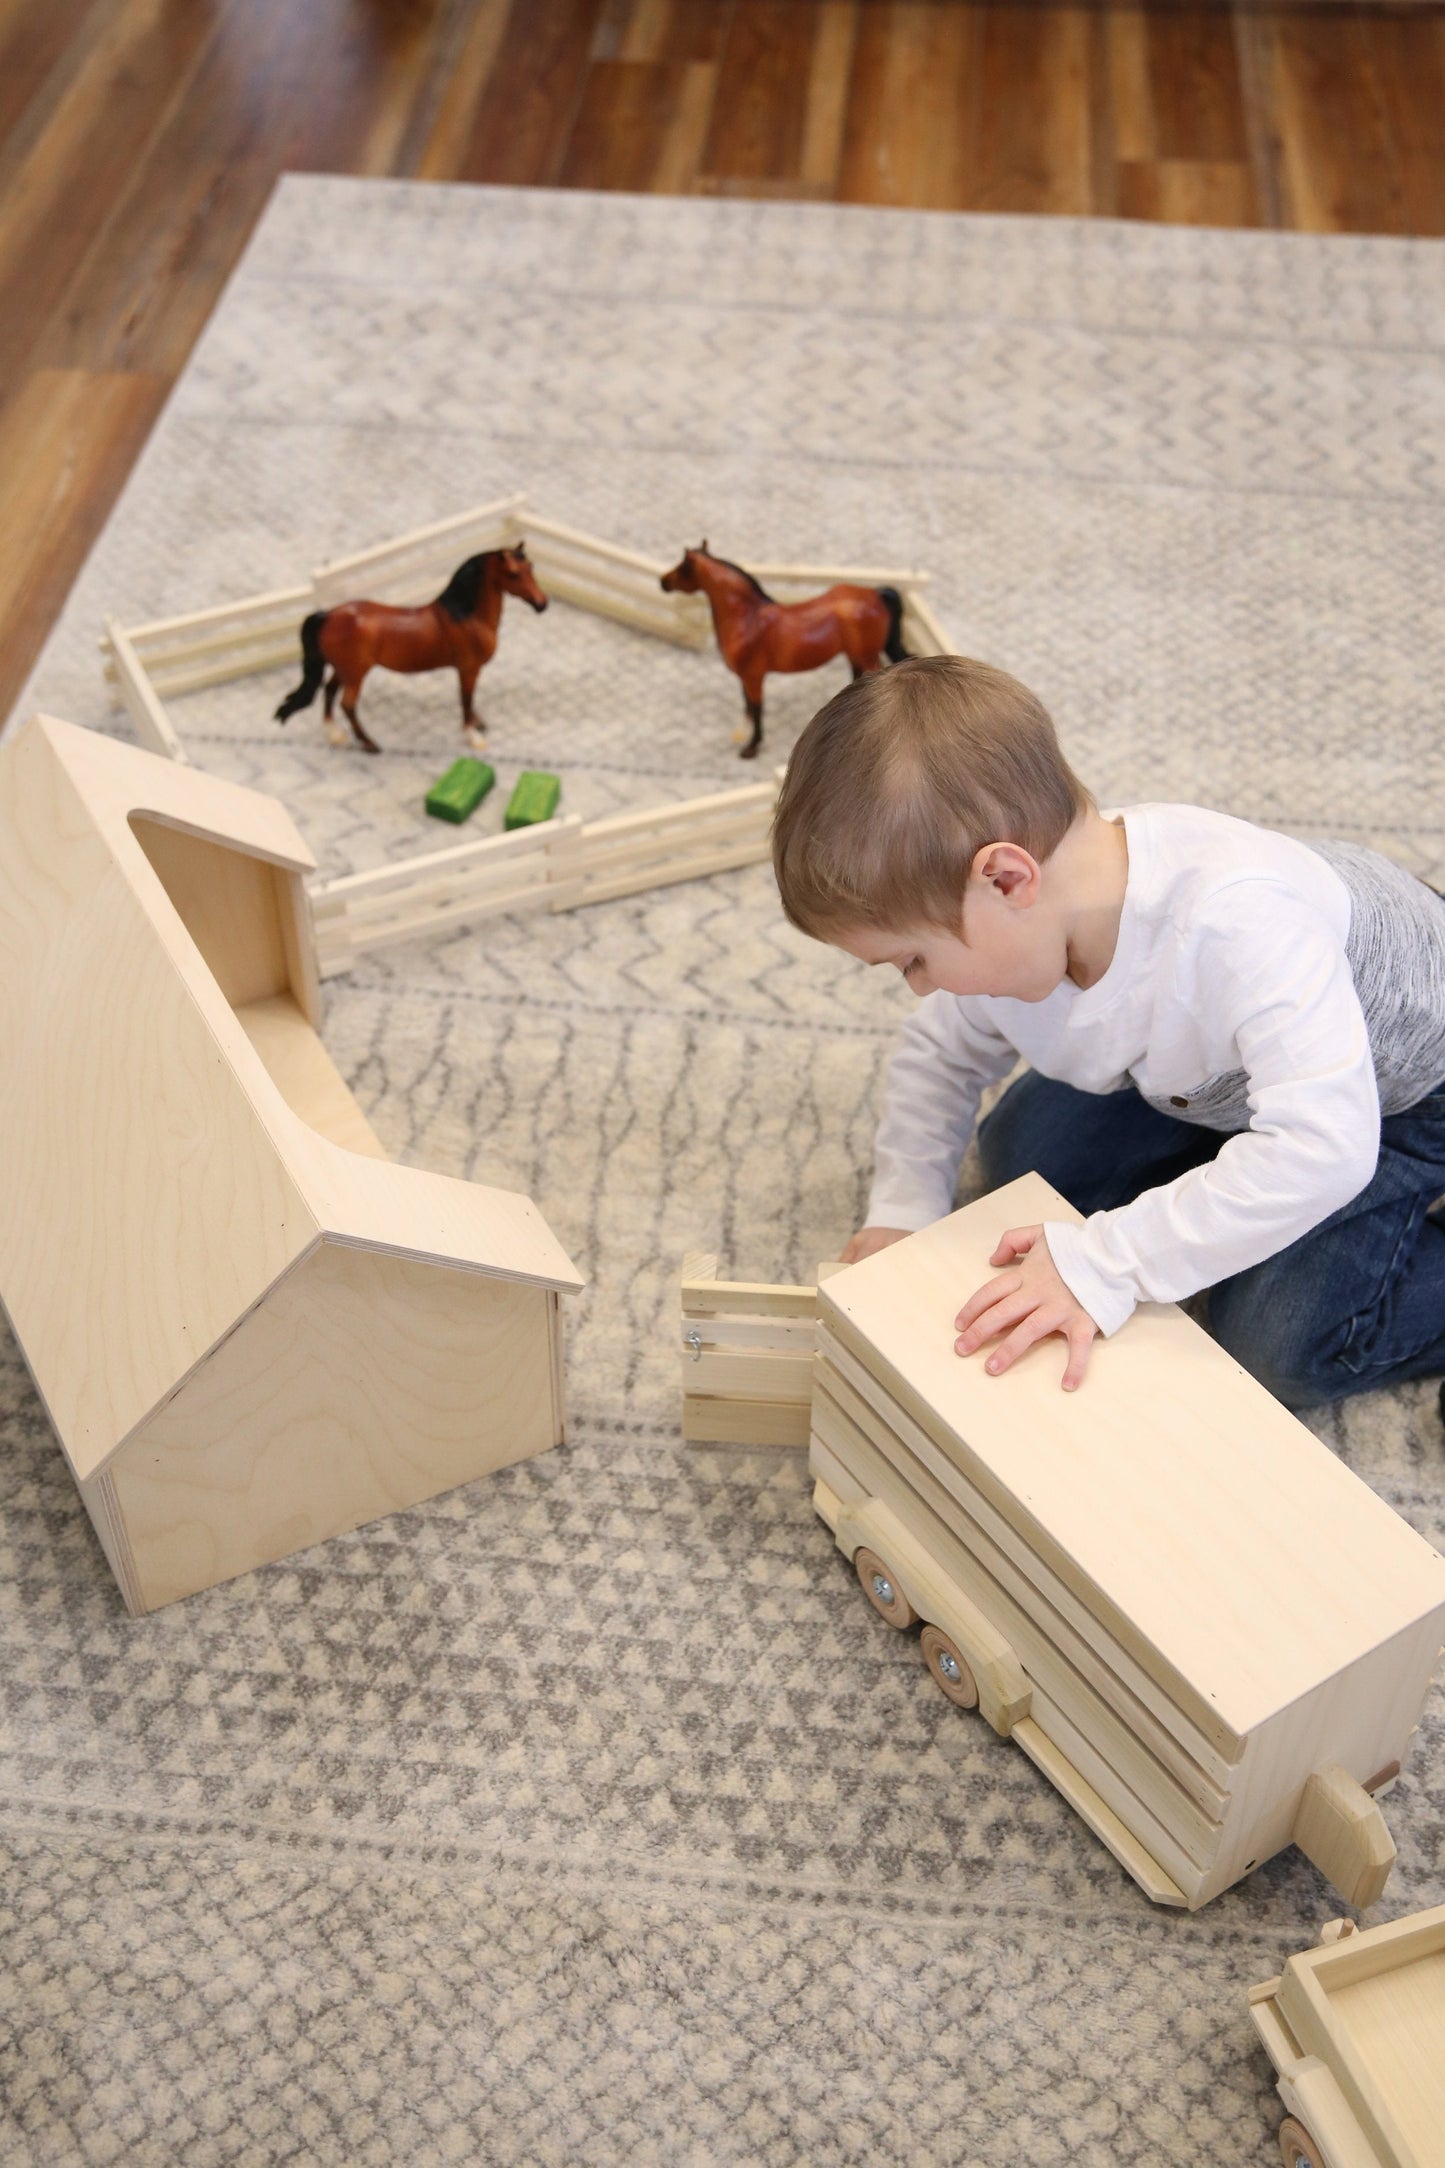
(750,752)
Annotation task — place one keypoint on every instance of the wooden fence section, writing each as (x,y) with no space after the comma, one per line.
(153,727)
(623,584)
(747,1357)
(177,655)
(415,567)
(922,633)
(209,647)
(554,866)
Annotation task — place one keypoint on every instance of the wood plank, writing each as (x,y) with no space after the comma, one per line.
(1181,192)
(913,112)
(442,130)
(757,127)
(307,94)
(1027,1587)
(1228,1497)
(1408,55)
(1194,85)
(1130,86)
(41,50)
(825,112)
(735,1421)
(1254,57)
(67,441)
(532,92)
(1032,150)
(660,30)
(641,125)
(1340,171)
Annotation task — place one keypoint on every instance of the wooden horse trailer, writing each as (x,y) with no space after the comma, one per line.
(1210,1636)
(1356,2032)
(249,1328)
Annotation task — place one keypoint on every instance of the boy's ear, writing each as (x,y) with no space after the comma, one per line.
(1008,868)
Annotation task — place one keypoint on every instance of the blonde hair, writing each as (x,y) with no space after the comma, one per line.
(898,783)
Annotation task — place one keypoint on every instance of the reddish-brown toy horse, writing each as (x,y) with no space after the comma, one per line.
(458,630)
(756,634)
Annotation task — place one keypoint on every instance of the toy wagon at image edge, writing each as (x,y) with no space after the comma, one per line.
(1355,2029)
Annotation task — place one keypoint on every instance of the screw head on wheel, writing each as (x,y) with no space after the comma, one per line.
(880,1586)
(1297,2148)
(949,1667)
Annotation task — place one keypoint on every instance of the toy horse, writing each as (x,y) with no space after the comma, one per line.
(756,634)
(458,629)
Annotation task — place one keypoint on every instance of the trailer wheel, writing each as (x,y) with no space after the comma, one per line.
(1297,2147)
(949,1666)
(882,1590)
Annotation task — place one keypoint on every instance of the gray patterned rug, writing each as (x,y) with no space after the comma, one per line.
(588,1816)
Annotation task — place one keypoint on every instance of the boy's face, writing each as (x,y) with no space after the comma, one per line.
(1014,949)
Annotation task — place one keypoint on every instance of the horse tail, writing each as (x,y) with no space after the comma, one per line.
(313,669)
(893,646)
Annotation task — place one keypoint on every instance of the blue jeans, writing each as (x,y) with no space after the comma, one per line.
(1356,1303)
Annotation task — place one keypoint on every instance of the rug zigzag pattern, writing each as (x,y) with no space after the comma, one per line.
(589,1814)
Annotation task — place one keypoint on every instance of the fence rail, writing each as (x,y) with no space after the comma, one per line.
(556,865)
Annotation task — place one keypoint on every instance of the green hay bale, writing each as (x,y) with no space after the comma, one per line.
(461,790)
(534,799)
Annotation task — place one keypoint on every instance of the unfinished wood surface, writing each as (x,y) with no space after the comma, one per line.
(1354,2029)
(1152,1554)
(1340,1828)
(1231,1503)
(1022,1574)
(364,1384)
(1065,1660)
(747,1359)
(108,1058)
(1004,1692)
(1180,1836)
(153,727)
(304,1073)
(160,1080)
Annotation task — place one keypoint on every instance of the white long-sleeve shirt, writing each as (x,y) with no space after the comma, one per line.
(1279,992)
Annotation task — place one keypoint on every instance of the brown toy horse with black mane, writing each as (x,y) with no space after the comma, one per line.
(756,634)
(458,630)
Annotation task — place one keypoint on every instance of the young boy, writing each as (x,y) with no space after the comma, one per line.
(1236,1041)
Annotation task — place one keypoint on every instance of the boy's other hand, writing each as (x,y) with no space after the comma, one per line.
(868,1240)
(1026,1305)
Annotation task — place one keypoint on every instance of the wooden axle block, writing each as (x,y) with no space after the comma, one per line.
(534,799)
(456,795)
(1340,1829)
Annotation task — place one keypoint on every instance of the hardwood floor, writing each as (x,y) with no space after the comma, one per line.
(139,140)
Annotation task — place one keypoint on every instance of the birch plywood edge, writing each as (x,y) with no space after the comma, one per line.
(184,1164)
(1180,1518)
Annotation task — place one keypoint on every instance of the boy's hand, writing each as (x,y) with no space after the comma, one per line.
(868,1240)
(1026,1304)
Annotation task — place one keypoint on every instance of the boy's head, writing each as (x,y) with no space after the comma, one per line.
(899,792)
